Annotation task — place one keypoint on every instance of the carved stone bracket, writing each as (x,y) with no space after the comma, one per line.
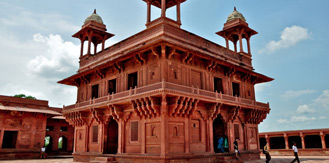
(113,111)
(85,79)
(229,71)
(183,106)
(118,66)
(255,116)
(214,111)
(77,118)
(211,65)
(154,52)
(138,57)
(188,58)
(146,107)
(100,73)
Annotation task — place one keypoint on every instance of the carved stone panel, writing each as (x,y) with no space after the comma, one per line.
(153,74)
(196,79)
(176,131)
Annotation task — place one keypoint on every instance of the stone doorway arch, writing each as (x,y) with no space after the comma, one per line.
(219,130)
(112,137)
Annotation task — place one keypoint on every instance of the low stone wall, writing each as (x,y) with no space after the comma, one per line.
(19,155)
(301,152)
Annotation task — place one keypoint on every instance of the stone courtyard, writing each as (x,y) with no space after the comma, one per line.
(275,159)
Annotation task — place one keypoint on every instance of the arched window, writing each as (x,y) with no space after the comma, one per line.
(62,143)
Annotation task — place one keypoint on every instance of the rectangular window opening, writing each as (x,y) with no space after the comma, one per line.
(95,134)
(112,86)
(218,85)
(9,139)
(134,131)
(132,80)
(236,89)
(50,128)
(94,91)
(63,129)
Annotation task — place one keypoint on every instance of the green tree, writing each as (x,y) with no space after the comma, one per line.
(24,96)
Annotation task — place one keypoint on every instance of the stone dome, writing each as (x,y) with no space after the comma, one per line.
(94,17)
(235,15)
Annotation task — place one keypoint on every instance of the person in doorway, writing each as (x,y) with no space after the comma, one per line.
(43,152)
(225,144)
(236,148)
(267,153)
(220,145)
(294,147)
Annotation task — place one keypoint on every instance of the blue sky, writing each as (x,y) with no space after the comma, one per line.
(37,49)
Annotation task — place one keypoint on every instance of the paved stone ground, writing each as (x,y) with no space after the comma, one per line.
(288,159)
(275,159)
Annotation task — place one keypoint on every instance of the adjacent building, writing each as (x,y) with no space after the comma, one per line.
(165,94)
(313,142)
(23,126)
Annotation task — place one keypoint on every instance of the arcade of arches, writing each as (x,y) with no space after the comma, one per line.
(309,142)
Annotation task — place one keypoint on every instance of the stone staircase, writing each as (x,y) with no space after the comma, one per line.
(104,160)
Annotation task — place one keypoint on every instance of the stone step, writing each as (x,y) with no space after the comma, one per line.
(104,160)
(230,161)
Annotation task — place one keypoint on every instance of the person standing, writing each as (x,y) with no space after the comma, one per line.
(294,147)
(43,152)
(267,153)
(236,148)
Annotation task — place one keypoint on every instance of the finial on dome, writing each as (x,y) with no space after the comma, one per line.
(234,8)
(94,11)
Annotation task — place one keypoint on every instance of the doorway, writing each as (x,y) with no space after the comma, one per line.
(62,143)
(112,137)
(48,143)
(220,131)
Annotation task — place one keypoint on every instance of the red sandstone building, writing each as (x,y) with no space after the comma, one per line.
(165,94)
(309,142)
(23,127)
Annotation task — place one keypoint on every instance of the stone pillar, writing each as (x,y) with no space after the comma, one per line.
(268,141)
(211,135)
(103,44)
(323,140)
(240,41)
(227,43)
(89,41)
(87,138)
(121,135)
(81,50)
(143,135)
(95,48)
(248,44)
(302,139)
(163,8)
(187,135)
(148,12)
(164,127)
(286,140)
(178,13)
(235,48)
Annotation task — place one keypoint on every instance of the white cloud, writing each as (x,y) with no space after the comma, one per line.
(301,118)
(260,87)
(304,109)
(323,99)
(322,117)
(36,21)
(293,94)
(58,57)
(282,121)
(290,36)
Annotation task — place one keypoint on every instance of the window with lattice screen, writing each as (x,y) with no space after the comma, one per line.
(95,134)
(134,131)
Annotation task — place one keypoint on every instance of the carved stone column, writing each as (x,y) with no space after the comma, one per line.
(302,139)
(323,140)
(164,127)
(286,140)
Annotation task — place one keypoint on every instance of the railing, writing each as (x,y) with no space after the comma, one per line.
(171,87)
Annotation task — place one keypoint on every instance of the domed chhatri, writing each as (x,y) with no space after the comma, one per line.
(94,17)
(235,15)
